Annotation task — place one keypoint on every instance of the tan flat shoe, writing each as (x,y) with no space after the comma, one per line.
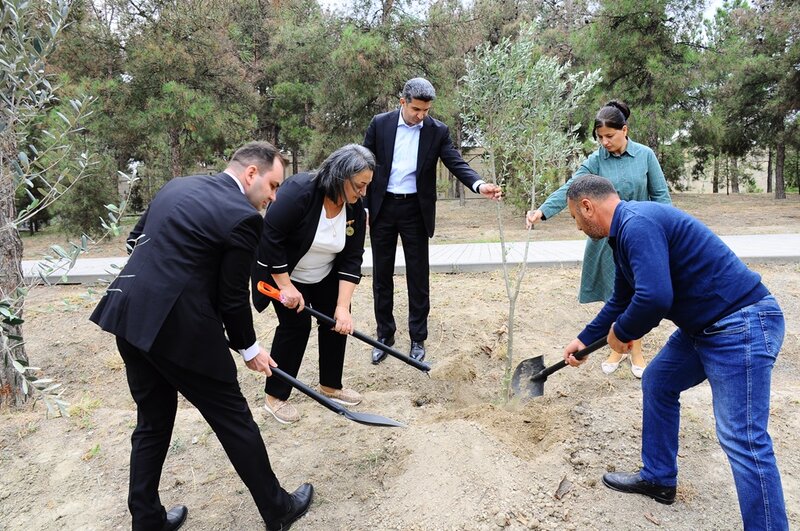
(283,411)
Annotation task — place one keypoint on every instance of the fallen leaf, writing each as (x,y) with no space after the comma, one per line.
(652,518)
(563,488)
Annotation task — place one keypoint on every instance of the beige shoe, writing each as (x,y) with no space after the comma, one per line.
(283,411)
(348,397)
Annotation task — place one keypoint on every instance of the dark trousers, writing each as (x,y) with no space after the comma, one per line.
(400,217)
(291,337)
(155,383)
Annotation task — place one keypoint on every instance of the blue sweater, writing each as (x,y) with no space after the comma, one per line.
(669,265)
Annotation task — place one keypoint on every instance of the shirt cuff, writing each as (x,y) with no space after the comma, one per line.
(250,352)
(477,186)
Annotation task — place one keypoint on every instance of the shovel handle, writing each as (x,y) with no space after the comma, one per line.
(274,293)
(544,373)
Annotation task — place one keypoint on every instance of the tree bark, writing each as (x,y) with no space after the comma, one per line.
(175,153)
(715,179)
(734,175)
(780,159)
(769,169)
(10,276)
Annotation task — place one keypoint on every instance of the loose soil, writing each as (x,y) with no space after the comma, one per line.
(467,460)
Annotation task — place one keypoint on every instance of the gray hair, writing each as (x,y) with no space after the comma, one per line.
(419,88)
(591,186)
(340,166)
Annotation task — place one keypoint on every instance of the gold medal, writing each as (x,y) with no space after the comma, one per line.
(349,231)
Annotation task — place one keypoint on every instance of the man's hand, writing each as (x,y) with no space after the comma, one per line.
(574,346)
(617,345)
(492,191)
(262,362)
(532,217)
(344,320)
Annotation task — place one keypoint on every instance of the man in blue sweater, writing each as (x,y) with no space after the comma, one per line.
(730,329)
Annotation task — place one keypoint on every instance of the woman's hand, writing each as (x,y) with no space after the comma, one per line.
(344,321)
(574,346)
(292,298)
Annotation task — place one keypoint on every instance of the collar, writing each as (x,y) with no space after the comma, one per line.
(632,149)
(402,123)
(238,183)
(616,220)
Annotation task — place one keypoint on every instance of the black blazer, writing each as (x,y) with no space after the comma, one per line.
(289,229)
(186,282)
(434,144)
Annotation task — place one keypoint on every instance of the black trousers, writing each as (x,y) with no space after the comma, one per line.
(291,337)
(155,383)
(401,217)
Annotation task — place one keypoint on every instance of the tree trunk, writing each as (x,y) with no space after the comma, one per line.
(295,170)
(734,175)
(780,159)
(10,276)
(175,153)
(769,169)
(715,179)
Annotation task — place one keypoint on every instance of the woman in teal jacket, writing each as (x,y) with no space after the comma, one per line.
(637,176)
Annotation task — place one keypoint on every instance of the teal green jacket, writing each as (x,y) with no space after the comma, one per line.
(637,176)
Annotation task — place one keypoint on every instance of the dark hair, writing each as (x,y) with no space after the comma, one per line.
(419,88)
(591,186)
(613,114)
(258,153)
(341,166)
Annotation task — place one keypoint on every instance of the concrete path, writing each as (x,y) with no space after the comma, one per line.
(467,257)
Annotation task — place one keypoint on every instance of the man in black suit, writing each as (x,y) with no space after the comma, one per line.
(186,285)
(401,200)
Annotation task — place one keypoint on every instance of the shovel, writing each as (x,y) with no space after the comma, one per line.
(369,419)
(274,293)
(530,375)
(362,418)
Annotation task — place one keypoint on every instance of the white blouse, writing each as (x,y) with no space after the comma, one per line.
(329,240)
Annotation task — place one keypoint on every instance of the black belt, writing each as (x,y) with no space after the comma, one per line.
(400,196)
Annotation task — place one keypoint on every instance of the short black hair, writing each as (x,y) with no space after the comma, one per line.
(591,186)
(259,153)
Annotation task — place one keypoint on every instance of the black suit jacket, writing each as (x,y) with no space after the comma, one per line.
(289,229)
(434,144)
(186,282)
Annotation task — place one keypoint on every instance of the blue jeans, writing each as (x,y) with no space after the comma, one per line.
(736,355)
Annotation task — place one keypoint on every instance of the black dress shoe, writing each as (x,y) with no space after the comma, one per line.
(379,355)
(300,502)
(175,518)
(417,350)
(631,482)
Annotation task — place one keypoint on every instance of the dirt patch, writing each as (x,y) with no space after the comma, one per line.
(467,460)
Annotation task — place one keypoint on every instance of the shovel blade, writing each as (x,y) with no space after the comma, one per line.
(523,383)
(370,419)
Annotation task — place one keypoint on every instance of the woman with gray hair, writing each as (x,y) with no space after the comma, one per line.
(311,249)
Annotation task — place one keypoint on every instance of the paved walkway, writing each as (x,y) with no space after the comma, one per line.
(470,257)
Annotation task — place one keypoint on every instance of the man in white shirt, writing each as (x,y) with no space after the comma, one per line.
(401,201)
